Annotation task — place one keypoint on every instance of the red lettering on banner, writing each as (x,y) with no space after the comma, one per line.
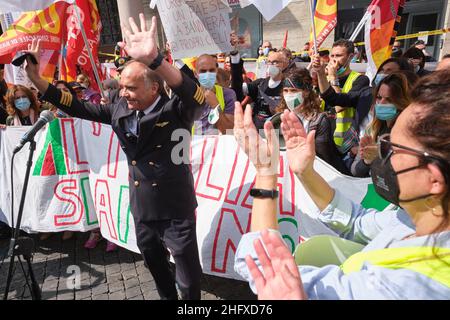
(113,158)
(227,219)
(96,128)
(63,192)
(232,175)
(103,206)
(208,184)
(82,166)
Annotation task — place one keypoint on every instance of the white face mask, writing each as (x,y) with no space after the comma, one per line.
(273,71)
(293,100)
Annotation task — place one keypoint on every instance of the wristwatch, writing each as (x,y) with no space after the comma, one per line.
(264,194)
(157,62)
(335,83)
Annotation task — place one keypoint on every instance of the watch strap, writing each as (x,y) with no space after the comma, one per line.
(157,62)
(264,194)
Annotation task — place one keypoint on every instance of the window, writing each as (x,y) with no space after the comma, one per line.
(109,14)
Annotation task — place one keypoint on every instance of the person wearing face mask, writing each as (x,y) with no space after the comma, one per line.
(265,93)
(300,97)
(22,106)
(407,245)
(392,96)
(417,60)
(218,109)
(261,62)
(389,66)
(350,94)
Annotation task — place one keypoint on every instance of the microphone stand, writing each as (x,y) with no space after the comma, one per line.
(23,246)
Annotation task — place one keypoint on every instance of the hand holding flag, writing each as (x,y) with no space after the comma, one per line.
(140,45)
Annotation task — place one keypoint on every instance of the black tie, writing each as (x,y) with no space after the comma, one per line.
(139,115)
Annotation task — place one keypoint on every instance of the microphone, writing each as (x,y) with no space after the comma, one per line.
(45,117)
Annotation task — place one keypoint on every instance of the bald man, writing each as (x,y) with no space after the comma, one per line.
(218,109)
(162,196)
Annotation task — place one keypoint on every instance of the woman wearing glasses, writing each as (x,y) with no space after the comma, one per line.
(407,253)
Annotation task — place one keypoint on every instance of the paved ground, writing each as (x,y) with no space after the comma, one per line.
(118,275)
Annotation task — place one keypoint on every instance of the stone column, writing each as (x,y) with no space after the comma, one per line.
(446,37)
(129,8)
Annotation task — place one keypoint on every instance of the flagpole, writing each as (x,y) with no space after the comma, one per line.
(360,26)
(60,62)
(88,48)
(316,50)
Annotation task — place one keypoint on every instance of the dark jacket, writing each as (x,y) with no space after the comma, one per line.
(325,147)
(159,189)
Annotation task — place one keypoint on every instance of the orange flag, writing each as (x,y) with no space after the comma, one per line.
(325,19)
(380,32)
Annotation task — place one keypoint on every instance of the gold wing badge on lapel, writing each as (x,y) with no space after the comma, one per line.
(162,124)
(199,96)
(66,99)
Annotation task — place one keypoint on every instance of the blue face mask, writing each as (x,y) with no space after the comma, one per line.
(207,79)
(22,103)
(378,78)
(266,51)
(341,70)
(385,111)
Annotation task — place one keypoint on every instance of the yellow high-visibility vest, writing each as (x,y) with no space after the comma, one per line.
(220,97)
(432,262)
(345,118)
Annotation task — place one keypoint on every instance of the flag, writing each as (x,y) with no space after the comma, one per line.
(285,40)
(268,9)
(325,19)
(77,53)
(26,5)
(380,32)
(46,24)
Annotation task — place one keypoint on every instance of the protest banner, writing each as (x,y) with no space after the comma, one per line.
(79,181)
(195,27)
(46,25)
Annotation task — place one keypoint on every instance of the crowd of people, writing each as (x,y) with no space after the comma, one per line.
(393,128)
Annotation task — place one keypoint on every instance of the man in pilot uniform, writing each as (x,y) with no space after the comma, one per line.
(162,196)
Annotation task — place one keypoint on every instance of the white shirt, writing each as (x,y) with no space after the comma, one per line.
(132,122)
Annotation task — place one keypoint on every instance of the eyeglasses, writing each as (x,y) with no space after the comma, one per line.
(385,151)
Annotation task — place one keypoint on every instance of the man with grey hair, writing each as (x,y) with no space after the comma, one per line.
(162,196)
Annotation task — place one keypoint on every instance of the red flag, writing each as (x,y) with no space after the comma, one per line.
(285,39)
(76,49)
(46,24)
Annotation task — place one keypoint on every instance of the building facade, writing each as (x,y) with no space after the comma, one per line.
(418,15)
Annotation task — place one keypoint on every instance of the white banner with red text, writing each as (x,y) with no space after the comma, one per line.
(79,181)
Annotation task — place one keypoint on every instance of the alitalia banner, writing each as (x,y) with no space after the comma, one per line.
(79,181)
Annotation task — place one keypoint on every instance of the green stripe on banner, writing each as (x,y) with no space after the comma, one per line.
(123,239)
(86,205)
(373,200)
(52,138)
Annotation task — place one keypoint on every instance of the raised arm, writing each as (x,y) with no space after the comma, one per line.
(301,153)
(142,45)
(63,100)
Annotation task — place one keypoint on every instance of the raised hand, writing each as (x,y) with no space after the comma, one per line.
(33,69)
(281,279)
(300,147)
(316,64)
(264,154)
(141,44)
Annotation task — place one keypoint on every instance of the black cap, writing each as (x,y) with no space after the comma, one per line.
(75,85)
